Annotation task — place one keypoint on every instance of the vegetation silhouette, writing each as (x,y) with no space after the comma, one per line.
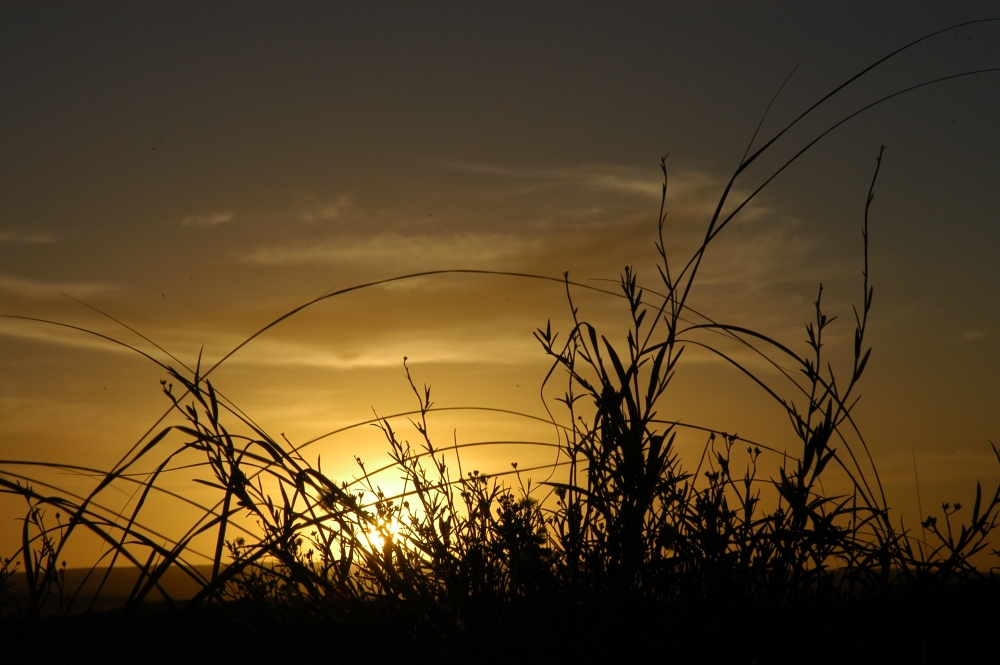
(621,550)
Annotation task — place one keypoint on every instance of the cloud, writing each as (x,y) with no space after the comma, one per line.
(17,237)
(589,220)
(39,331)
(332,211)
(35,290)
(970,335)
(610,191)
(209,220)
(398,251)
(388,354)
(604,177)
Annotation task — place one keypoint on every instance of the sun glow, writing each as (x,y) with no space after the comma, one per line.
(383,532)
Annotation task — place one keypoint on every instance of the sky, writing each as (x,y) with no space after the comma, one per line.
(197,170)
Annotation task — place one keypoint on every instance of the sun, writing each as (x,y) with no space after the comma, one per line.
(382,532)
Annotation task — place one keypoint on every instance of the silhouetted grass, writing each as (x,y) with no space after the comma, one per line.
(623,548)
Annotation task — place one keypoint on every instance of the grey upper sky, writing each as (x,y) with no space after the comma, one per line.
(195,170)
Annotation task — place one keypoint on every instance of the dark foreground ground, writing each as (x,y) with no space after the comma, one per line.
(936,625)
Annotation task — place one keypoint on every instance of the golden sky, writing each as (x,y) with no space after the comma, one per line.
(196,172)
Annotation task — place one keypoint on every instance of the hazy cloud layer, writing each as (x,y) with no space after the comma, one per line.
(591,216)
(38,331)
(327,212)
(37,290)
(397,251)
(601,177)
(23,238)
(207,220)
(502,350)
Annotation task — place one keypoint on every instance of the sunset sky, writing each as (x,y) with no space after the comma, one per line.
(197,171)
